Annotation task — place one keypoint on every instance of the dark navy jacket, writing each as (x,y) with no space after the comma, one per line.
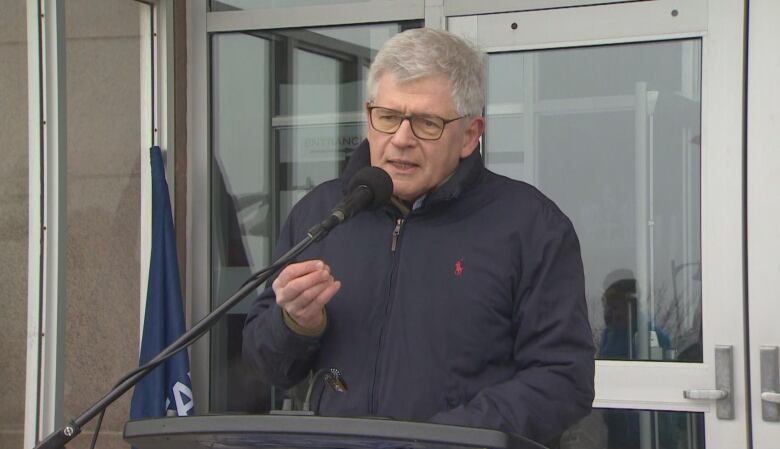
(476,317)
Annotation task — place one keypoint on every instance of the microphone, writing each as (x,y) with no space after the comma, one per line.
(332,378)
(336,381)
(370,188)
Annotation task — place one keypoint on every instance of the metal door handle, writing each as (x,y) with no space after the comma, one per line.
(705,394)
(771,396)
(724,384)
(770,384)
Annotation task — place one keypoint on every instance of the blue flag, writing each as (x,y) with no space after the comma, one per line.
(167,387)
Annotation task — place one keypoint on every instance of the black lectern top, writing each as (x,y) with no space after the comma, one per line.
(311,432)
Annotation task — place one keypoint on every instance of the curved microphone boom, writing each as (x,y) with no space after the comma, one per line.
(370,188)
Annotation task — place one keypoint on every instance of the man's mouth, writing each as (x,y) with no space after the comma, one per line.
(402,164)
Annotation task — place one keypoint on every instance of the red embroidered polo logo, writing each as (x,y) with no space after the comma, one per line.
(459,267)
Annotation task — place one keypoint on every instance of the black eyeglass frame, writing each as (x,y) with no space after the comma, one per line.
(409,117)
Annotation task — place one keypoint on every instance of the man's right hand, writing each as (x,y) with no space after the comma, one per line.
(302,290)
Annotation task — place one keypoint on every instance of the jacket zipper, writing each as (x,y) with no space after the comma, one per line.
(393,246)
(396,233)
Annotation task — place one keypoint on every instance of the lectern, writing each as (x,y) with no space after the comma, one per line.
(311,432)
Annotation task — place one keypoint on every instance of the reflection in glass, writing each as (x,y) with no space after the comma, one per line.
(636,429)
(240,185)
(286,106)
(610,133)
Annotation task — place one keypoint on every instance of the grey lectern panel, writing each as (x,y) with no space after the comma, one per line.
(310,432)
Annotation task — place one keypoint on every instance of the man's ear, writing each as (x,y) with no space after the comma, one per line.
(471,135)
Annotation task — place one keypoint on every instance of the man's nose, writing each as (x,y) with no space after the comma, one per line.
(404,137)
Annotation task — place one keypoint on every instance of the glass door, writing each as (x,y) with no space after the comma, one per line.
(286,104)
(628,115)
(763,213)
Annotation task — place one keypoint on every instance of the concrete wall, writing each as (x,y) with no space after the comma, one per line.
(13,219)
(103,107)
(103,185)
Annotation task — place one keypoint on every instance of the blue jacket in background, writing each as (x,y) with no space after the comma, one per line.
(468,311)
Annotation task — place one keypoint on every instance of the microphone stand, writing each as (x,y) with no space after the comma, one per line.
(58,439)
(331,377)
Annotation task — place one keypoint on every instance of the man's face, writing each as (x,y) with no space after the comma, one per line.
(418,166)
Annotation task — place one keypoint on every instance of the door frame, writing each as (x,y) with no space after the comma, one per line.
(763,213)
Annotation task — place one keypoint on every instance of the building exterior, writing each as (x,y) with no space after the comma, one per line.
(650,123)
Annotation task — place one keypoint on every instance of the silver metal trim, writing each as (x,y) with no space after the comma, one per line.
(164,101)
(434,14)
(585,26)
(147,76)
(55,214)
(48,217)
(318,15)
(470,7)
(770,384)
(35,234)
(198,214)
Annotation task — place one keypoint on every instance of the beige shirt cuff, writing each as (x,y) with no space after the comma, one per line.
(302,330)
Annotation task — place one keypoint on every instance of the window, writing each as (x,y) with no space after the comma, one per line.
(286,107)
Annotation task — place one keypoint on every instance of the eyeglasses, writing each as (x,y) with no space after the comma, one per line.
(424,127)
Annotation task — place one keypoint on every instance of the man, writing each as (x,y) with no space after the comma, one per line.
(463,302)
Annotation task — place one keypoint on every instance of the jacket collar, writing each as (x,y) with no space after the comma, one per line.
(466,175)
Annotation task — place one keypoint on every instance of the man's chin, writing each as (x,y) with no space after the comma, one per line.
(405,195)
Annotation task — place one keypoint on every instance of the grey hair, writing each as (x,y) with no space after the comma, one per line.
(423,52)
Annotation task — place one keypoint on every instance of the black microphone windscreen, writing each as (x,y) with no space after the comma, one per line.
(377,181)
